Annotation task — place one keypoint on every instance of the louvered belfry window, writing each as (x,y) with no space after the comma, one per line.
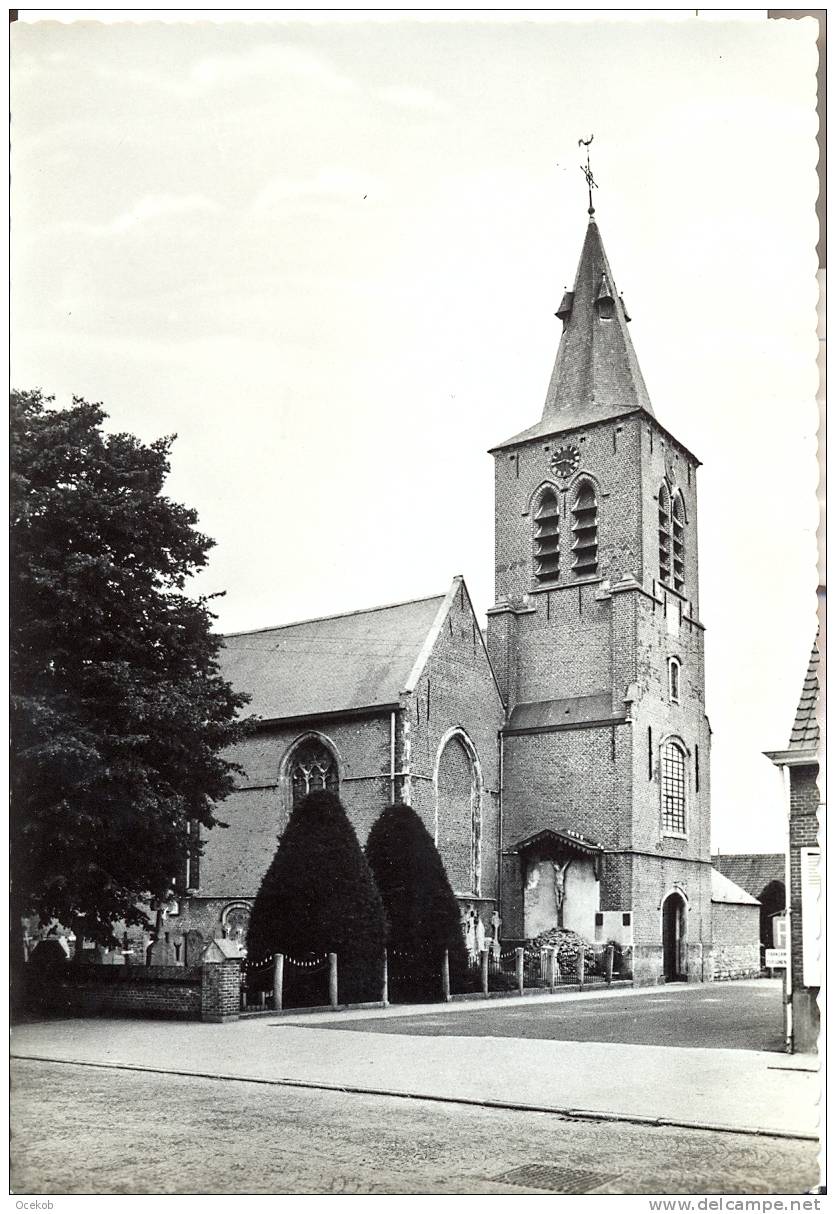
(671,539)
(585,531)
(664,535)
(313,768)
(678,530)
(547,538)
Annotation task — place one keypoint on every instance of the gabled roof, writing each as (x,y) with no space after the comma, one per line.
(804,735)
(724,890)
(556,840)
(805,727)
(751,871)
(362,659)
(596,373)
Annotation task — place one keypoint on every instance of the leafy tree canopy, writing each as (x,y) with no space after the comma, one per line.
(119,715)
(420,905)
(319,896)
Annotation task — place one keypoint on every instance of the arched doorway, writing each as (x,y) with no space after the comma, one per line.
(773,900)
(673,938)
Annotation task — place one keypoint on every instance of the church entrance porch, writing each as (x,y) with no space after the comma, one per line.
(673,939)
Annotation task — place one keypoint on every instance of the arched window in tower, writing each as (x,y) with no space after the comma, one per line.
(585,531)
(313,767)
(674,671)
(664,534)
(673,788)
(547,538)
(678,531)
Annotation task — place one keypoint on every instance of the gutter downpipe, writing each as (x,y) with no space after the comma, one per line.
(501,744)
(789,1043)
(392,757)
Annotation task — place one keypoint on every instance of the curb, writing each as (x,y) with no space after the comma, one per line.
(570,1114)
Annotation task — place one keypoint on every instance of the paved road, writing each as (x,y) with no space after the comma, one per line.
(79,1129)
(722,1016)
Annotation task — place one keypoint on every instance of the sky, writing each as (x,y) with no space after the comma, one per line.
(326,252)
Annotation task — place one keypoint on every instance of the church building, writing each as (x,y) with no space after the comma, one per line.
(561,760)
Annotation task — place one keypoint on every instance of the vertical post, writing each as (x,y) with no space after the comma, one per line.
(445,976)
(332,980)
(278,981)
(384,994)
(552,968)
(581,961)
(483,961)
(262,999)
(520,963)
(609,963)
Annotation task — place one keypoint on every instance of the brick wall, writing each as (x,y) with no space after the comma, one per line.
(220,992)
(171,991)
(736,941)
(204,992)
(804,805)
(457,692)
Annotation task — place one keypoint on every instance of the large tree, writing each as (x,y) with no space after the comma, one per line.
(318,896)
(119,714)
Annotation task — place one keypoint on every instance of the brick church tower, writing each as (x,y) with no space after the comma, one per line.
(597,644)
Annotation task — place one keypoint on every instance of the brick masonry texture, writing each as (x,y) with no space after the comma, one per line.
(804,805)
(153,991)
(736,941)
(614,636)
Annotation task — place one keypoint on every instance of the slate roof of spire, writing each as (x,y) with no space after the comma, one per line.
(596,373)
(805,727)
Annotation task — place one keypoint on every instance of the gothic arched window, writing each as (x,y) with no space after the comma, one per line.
(673,788)
(312,766)
(674,672)
(547,538)
(585,531)
(458,791)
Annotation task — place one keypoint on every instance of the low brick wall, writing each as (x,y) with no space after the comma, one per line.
(730,961)
(200,992)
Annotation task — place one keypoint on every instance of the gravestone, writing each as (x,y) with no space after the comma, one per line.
(195,944)
(161,952)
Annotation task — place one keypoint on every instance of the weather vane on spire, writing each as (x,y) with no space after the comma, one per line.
(591,183)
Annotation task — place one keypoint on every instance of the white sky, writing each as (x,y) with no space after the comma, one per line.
(327,255)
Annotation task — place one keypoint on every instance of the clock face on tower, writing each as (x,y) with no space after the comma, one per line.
(565,460)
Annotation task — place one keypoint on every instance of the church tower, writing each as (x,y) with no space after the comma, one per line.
(597,643)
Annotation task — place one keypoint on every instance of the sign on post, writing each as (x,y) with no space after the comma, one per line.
(776,959)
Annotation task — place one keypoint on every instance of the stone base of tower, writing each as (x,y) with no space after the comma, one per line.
(671,914)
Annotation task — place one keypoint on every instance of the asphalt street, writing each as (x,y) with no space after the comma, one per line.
(719,1016)
(80,1129)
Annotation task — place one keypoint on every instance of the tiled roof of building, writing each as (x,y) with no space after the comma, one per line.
(338,663)
(724,890)
(596,373)
(752,872)
(805,727)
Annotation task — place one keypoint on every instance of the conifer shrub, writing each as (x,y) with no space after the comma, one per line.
(420,905)
(319,896)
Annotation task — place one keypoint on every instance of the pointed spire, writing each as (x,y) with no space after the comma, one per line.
(596,374)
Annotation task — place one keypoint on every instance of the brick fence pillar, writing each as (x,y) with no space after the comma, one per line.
(220,991)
